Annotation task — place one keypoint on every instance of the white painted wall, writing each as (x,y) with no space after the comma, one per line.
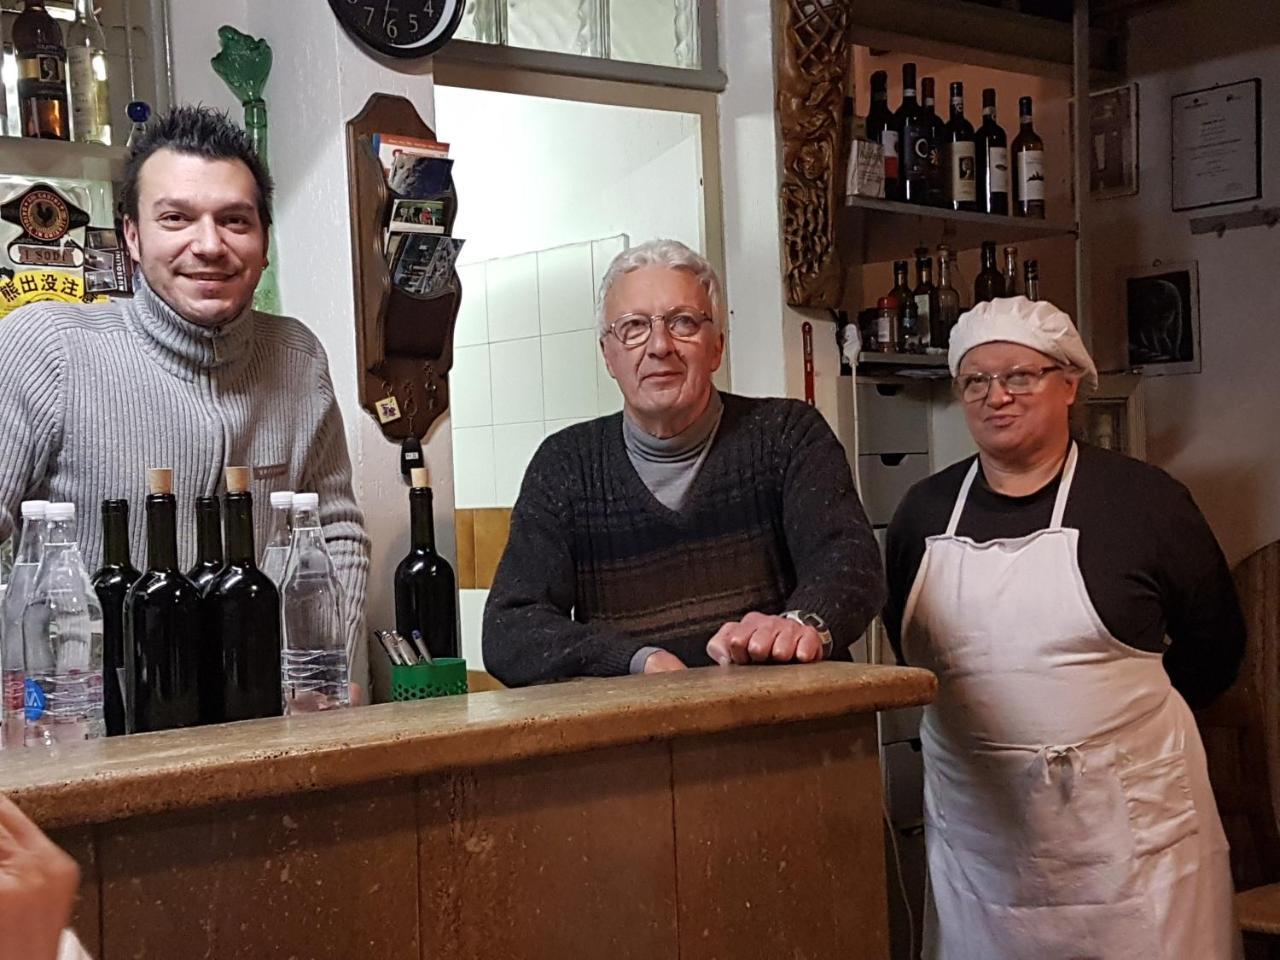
(321,79)
(1213,431)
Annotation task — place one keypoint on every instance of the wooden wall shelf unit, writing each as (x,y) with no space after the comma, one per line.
(404,343)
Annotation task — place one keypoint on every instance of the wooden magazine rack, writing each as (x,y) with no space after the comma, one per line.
(404,342)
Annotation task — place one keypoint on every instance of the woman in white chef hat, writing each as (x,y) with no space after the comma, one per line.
(1071,601)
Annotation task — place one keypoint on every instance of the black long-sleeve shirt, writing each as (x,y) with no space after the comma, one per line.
(1150,562)
(597,568)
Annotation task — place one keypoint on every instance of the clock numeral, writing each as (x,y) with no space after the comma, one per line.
(430,9)
(387,12)
(391,30)
(413,23)
(368,21)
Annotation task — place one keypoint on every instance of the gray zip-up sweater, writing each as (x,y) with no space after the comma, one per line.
(92,396)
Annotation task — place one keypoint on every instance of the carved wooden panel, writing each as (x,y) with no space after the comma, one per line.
(813,61)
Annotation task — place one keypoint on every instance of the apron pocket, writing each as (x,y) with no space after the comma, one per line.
(1161,809)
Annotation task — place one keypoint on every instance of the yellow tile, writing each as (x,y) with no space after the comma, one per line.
(492,527)
(464,527)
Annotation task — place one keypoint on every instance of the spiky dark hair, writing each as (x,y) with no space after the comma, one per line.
(202,132)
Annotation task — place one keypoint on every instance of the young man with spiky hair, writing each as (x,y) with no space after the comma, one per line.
(185,374)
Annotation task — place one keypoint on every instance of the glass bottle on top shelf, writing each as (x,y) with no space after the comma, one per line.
(880,130)
(959,159)
(926,296)
(1028,158)
(992,153)
(913,142)
(989,284)
(1010,271)
(946,314)
(936,193)
(41,54)
(87,74)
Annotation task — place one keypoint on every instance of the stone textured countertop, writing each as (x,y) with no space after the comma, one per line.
(151,773)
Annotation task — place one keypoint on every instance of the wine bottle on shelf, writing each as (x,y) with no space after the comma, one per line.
(989,284)
(957,276)
(937,191)
(87,73)
(275,555)
(948,309)
(162,617)
(42,73)
(887,329)
(315,658)
(209,557)
(880,130)
(901,291)
(1010,272)
(241,669)
(1028,158)
(926,297)
(26,564)
(425,588)
(960,159)
(1031,279)
(992,152)
(62,641)
(913,142)
(112,583)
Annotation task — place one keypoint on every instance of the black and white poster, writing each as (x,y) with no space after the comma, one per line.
(1163,307)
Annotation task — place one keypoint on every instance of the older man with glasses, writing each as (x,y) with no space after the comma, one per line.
(693,528)
(1071,601)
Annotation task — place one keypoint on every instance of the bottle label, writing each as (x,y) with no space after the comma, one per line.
(884,330)
(922,309)
(84,102)
(962,160)
(889,141)
(998,173)
(915,151)
(42,75)
(1031,175)
(33,700)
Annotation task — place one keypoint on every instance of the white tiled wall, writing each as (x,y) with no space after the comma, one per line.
(526,363)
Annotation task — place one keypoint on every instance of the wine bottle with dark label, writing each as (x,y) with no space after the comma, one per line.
(989,284)
(209,558)
(425,589)
(937,193)
(163,629)
(913,141)
(880,130)
(1028,157)
(992,151)
(241,669)
(41,54)
(926,297)
(112,583)
(960,158)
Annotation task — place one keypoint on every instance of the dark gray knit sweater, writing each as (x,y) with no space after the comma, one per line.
(597,568)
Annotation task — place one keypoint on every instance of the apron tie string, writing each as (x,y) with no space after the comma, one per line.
(1053,756)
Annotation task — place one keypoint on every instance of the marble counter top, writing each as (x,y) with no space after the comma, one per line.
(124,777)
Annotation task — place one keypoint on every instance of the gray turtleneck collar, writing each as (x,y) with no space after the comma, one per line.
(181,347)
(669,466)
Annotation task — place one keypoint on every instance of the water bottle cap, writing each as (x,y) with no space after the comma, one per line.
(60,511)
(282,498)
(138,111)
(34,509)
(306,501)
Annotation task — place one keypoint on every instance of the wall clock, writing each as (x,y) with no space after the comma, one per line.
(400,28)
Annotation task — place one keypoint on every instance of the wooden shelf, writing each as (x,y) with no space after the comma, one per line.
(60,159)
(902,359)
(900,368)
(876,231)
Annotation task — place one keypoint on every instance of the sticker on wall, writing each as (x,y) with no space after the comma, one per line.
(43,286)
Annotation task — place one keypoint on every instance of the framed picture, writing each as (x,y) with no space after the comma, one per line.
(1114,416)
(1216,145)
(1162,304)
(1113,142)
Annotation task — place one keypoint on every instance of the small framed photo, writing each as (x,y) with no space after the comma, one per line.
(1162,304)
(1113,142)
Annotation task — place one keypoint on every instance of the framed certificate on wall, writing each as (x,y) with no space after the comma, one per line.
(1217,145)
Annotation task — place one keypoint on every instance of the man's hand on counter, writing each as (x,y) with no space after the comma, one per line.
(38,884)
(761,638)
(660,661)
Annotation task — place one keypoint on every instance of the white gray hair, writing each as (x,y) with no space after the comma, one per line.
(664,253)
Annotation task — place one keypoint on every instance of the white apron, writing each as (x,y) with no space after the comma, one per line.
(1068,813)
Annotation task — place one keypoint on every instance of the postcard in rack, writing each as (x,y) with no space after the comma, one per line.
(417,216)
(388,146)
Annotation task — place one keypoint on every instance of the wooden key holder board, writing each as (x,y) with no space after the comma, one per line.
(404,342)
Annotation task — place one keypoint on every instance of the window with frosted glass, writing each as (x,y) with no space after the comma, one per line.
(663,32)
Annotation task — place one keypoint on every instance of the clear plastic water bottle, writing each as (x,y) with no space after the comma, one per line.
(62,640)
(314,663)
(275,555)
(21,579)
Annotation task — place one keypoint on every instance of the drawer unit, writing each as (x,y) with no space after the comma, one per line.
(892,419)
(885,479)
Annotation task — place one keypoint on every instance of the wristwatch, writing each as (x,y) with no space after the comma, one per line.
(813,620)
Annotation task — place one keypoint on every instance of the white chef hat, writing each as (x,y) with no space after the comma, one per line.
(1035,324)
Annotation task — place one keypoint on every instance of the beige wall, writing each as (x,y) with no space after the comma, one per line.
(1214,431)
